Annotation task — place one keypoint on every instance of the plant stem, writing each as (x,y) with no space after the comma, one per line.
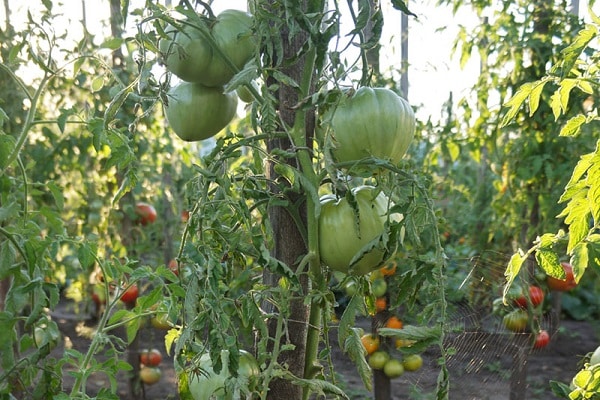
(28,119)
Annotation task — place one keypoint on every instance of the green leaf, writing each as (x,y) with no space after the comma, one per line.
(585,86)
(548,260)
(566,86)
(97,83)
(170,338)
(512,269)
(286,80)
(401,5)
(7,146)
(124,11)
(112,43)
(573,125)
(572,52)
(86,254)
(534,97)
(580,260)
(555,104)
(57,194)
(7,258)
(515,102)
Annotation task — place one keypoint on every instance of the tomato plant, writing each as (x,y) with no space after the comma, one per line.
(372,122)
(150,375)
(190,55)
(342,242)
(541,339)
(150,358)
(562,285)
(196,112)
(145,212)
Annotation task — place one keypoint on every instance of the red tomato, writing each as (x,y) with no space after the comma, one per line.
(185,215)
(541,340)
(536,296)
(130,295)
(173,267)
(562,285)
(151,358)
(145,212)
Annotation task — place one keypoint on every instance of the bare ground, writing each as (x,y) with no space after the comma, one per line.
(478,371)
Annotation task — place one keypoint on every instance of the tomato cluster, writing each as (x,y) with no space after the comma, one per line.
(390,354)
(205,54)
(522,313)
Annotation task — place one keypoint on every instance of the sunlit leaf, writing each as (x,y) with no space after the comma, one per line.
(548,260)
(512,269)
(97,83)
(580,260)
(566,86)
(555,104)
(534,98)
(573,126)
(515,102)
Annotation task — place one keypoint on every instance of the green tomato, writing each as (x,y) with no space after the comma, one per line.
(393,368)
(196,112)
(209,385)
(245,94)
(189,55)
(378,359)
(351,288)
(340,239)
(516,320)
(373,122)
(412,362)
(379,287)
(150,375)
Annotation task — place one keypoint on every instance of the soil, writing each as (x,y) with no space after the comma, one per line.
(480,370)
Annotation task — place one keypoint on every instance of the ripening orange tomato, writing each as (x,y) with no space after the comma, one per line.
(380,304)
(394,323)
(389,269)
(370,343)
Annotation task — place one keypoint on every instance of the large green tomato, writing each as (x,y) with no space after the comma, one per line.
(209,385)
(190,56)
(196,112)
(341,238)
(373,122)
